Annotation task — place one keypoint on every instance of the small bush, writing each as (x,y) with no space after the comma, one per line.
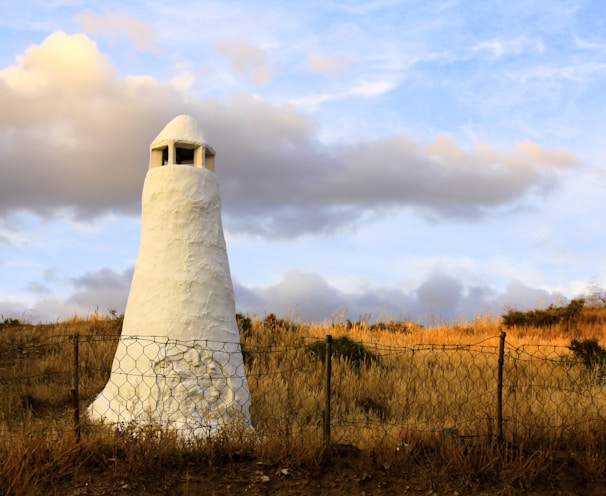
(370,406)
(8,322)
(116,317)
(344,348)
(273,323)
(547,317)
(404,327)
(589,352)
(244,324)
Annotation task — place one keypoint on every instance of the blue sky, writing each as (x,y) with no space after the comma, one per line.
(419,160)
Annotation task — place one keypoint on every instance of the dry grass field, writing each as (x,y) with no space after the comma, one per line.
(413,410)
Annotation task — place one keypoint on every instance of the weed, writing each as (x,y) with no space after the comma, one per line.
(345,349)
(9,322)
(590,354)
(371,406)
(273,323)
(245,325)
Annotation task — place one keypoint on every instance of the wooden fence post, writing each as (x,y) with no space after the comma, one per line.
(500,386)
(74,392)
(328,362)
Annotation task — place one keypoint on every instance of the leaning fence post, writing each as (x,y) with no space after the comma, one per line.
(74,392)
(328,361)
(500,386)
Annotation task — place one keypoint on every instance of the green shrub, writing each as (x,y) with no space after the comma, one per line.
(405,327)
(273,323)
(116,317)
(244,324)
(8,322)
(589,352)
(371,406)
(346,349)
(547,317)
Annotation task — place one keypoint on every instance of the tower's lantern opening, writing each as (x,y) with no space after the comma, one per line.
(176,153)
(181,142)
(184,155)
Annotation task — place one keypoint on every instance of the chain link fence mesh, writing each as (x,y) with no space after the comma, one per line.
(547,394)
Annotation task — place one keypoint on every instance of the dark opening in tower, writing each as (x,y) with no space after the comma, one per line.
(184,155)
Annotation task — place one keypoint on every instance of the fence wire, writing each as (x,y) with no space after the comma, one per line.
(542,392)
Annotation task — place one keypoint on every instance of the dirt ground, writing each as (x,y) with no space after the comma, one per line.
(343,477)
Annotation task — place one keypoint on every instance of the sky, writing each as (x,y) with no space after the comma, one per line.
(410,160)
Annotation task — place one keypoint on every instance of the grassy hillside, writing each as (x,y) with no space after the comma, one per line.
(402,396)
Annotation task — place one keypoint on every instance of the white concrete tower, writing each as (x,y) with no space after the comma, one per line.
(178,363)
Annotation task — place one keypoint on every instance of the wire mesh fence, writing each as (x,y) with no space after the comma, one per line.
(330,390)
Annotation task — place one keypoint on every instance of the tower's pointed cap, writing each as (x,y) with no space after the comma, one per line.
(182,128)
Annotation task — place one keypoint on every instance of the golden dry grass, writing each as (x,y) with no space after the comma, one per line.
(430,395)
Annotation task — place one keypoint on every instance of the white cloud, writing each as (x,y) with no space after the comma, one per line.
(182,79)
(78,133)
(118,26)
(372,88)
(247,60)
(319,63)
(365,8)
(588,45)
(582,72)
(498,48)
(10,236)
(77,138)
(62,65)
(361,89)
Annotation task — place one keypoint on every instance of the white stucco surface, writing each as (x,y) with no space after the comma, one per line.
(178,363)
(182,128)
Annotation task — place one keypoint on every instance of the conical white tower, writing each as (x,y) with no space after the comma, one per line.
(178,363)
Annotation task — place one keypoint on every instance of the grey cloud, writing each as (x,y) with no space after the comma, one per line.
(103,287)
(517,295)
(103,279)
(293,185)
(246,297)
(440,298)
(79,141)
(38,288)
(439,293)
(13,310)
(9,232)
(306,296)
(48,309)
(443,297)
(97,291)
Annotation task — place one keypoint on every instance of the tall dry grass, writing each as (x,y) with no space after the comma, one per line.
(428,398)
